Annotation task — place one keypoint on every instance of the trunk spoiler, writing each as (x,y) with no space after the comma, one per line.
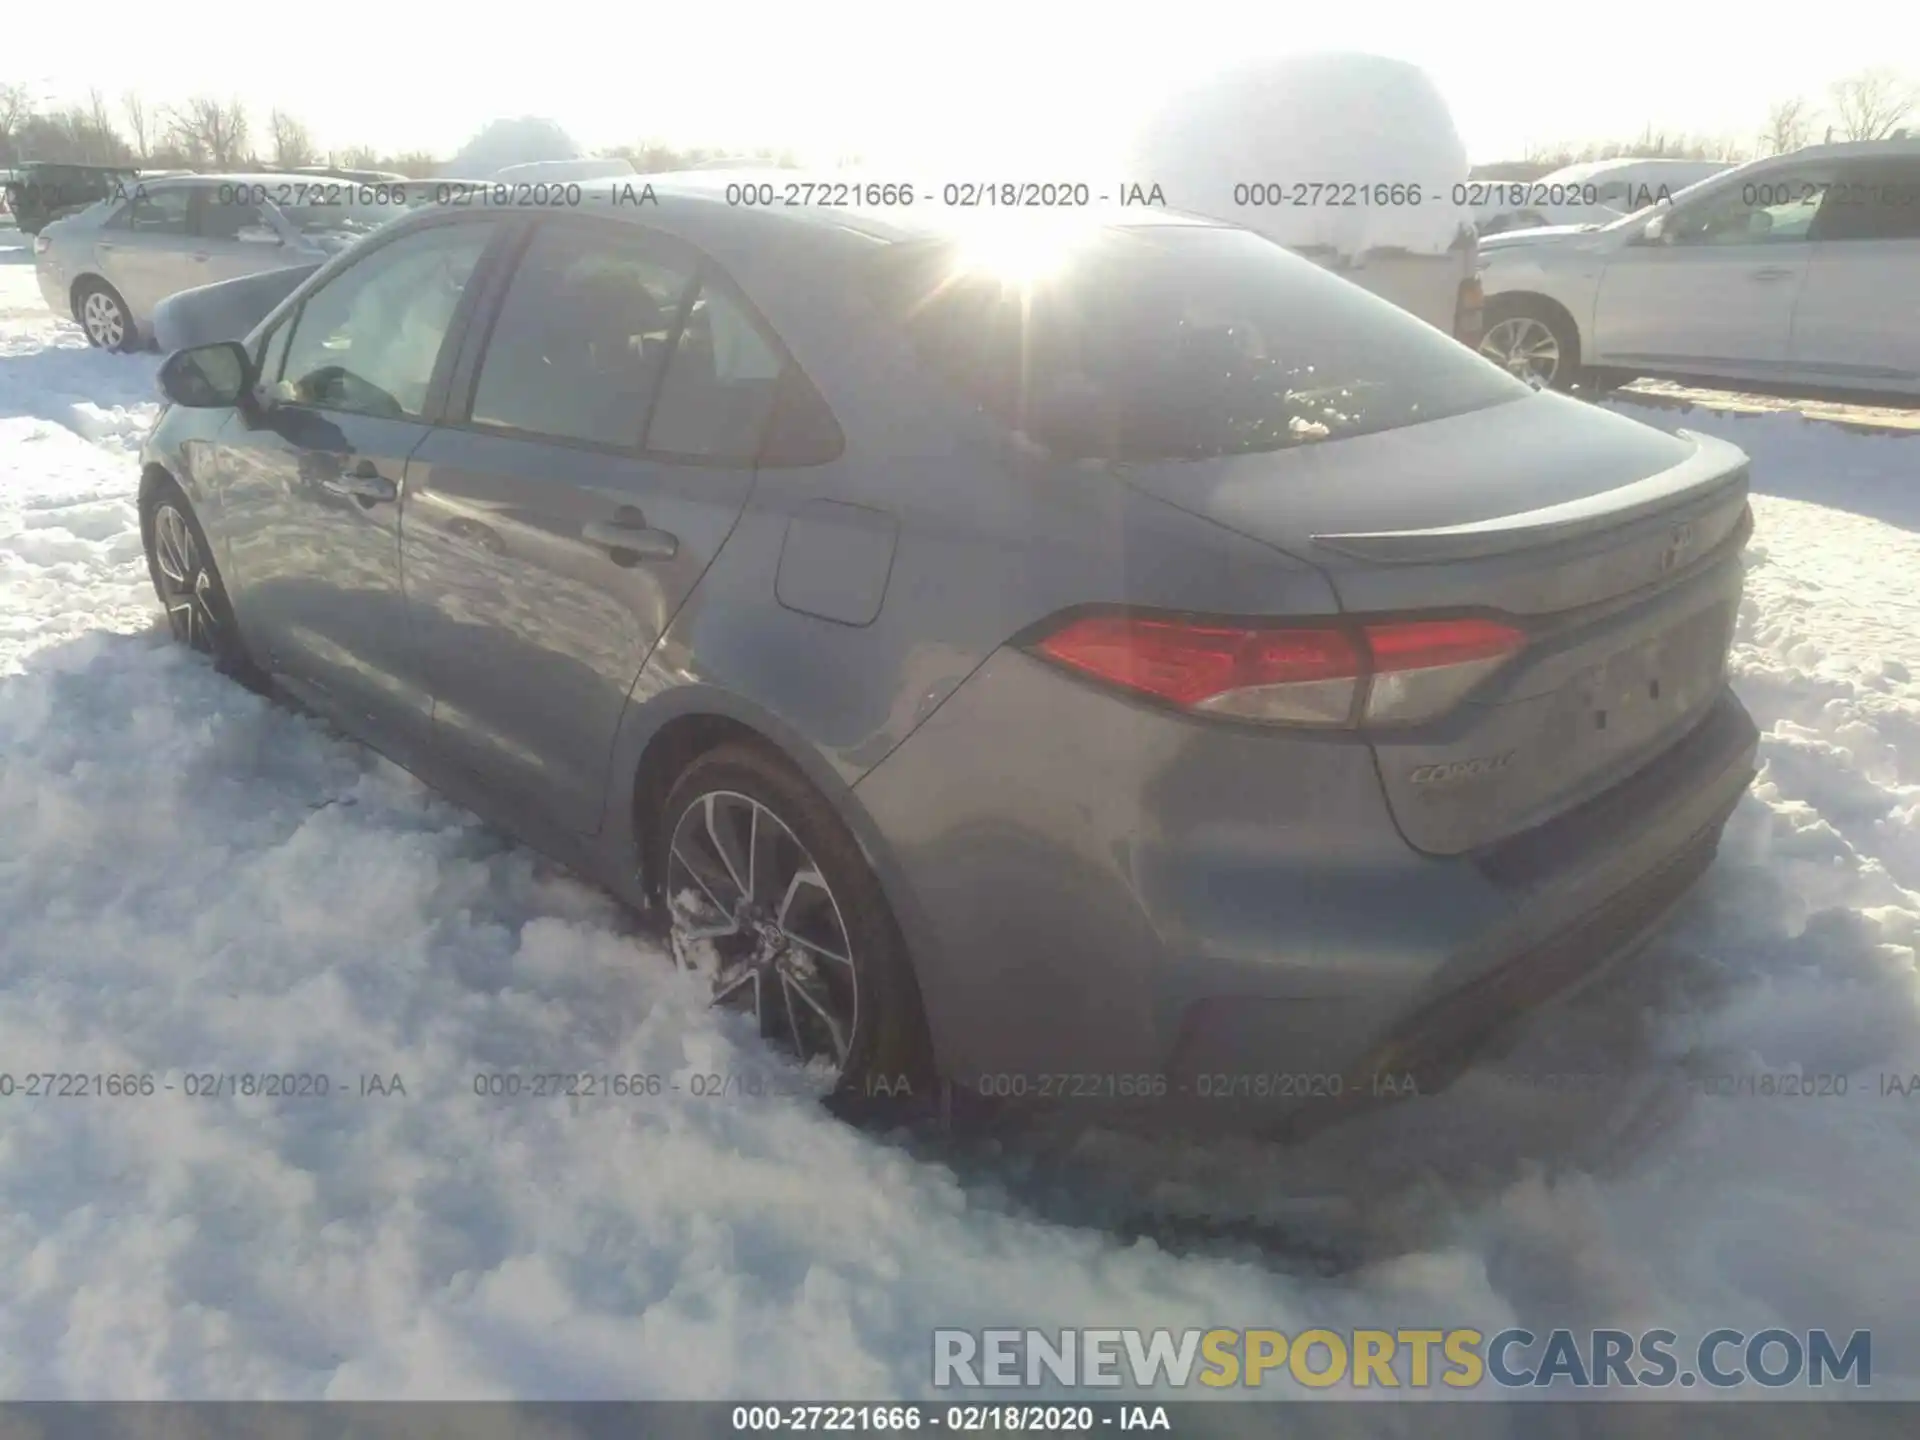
(1713,465)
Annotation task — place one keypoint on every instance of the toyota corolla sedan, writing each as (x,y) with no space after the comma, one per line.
(1115,662)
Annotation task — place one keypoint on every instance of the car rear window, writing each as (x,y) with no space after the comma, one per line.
(1178,342)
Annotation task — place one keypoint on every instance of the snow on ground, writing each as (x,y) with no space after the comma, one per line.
(195,880)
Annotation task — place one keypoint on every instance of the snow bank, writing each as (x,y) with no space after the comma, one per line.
(195,880)
(1339,119)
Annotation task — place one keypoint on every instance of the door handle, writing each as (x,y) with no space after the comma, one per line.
(1774,272)
(633,538)
(108,245)
(363,483)
(199,255)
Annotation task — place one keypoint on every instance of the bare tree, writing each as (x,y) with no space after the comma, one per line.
(359,157)
(16,104)
(292,145)
(135,109)
(208,132)
(1789,127)
(1872,104)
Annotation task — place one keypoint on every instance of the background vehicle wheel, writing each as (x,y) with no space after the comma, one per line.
(769,896)
(1531,342)
(181,564)
(104,316)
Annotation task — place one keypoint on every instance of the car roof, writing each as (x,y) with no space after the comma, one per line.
(702,196)
(1906,149)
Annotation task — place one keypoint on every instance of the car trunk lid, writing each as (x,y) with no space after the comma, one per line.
(1614,546)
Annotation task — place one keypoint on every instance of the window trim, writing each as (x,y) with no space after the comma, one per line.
(703,271)
(435,405)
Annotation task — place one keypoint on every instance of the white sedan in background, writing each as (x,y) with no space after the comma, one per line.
(1799,271)
(1597,192)
(109,266)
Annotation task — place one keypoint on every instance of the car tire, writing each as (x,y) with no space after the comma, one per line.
(1531,341)
(104,316)
(860,1010)
(188,584)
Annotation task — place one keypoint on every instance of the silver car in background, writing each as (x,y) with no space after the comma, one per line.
(109,266)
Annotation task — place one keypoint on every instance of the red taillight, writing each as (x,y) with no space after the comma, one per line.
(1390,672)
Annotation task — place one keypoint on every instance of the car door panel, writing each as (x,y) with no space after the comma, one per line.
(545,549)
(310,505)
(1858,324)
(311,479)
(532,619)
(219,220)
(148,251)
(1704,310)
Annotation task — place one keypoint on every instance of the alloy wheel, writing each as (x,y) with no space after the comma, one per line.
(1525,348)
(105,321)
(186,584)
(751,910)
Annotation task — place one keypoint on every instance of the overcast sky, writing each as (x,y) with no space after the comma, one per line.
(988,81)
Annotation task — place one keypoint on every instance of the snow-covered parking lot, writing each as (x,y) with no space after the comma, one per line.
(194,880)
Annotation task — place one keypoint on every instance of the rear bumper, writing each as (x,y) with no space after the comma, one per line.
(1107,903)
(53,289)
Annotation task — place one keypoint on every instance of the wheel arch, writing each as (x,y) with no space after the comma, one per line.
(694,720)
(90,280)
(1512,302)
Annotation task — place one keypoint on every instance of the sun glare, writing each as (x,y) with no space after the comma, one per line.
(1021,249)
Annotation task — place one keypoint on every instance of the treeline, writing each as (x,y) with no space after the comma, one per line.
(1873,105)
(209,134)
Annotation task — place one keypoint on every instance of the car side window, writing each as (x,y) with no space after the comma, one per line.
(1773,208)
(1879,201)
(720,387)
(220,219)
(366,341)
(155,212)
(582,336)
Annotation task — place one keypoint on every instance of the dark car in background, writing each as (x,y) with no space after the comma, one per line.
(39,192)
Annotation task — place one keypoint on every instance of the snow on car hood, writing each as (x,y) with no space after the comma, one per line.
(1338,121)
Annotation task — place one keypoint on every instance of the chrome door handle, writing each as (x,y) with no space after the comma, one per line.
(636,539)
(1774,272)
(363,483)
(199,255)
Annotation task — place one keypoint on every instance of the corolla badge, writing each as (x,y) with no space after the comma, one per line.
(1470,769)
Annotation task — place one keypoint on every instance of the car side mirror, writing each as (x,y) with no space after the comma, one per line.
(257,235)
(1655,232)
(207,376)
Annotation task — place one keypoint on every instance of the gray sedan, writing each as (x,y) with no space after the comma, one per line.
(109,266)
(1127,667)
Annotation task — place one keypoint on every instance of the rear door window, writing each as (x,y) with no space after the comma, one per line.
(720,386)
(223,218)
(1179,342)
(1872,201)
(581,339)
